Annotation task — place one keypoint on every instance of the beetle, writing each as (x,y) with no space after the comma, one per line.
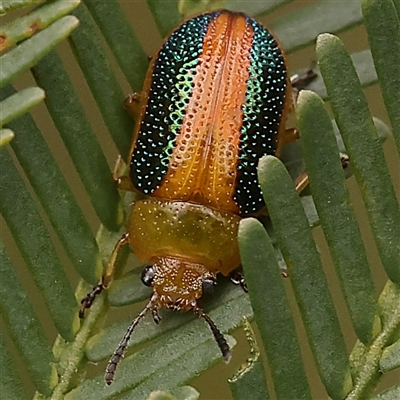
(215,100)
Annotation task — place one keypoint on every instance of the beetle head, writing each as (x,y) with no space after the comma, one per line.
(177,284)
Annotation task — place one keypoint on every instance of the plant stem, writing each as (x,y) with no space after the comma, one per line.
(368,371)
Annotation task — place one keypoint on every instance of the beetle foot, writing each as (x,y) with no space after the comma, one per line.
(344,159)
(237,278)
(88,300)
(300,81)
(156,315)
(132,103)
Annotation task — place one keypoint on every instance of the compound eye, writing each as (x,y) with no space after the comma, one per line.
(148,275)
(208,285)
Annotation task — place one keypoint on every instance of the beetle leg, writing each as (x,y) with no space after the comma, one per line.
(300,81)
(107,277)
(119,176)
(156,315)
(132,103)
(110,270)
(290,135)
(88,300)
(302,181)
(237,278)
(344,159)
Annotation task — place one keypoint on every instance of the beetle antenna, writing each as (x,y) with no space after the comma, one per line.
(119,353)
(219,337)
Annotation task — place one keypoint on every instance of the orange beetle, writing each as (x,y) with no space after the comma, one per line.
(215,100)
